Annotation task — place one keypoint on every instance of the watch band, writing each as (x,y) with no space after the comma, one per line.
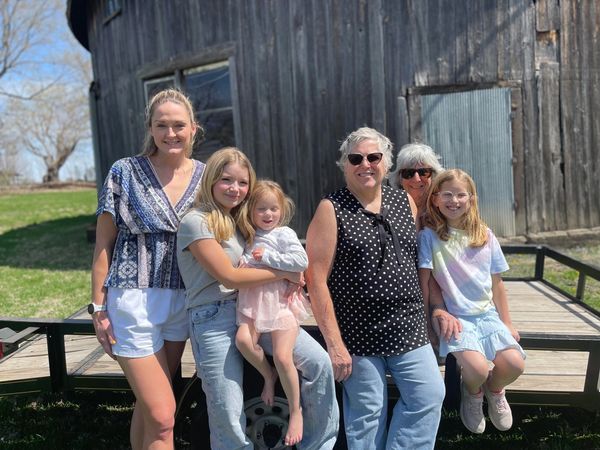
(94,308)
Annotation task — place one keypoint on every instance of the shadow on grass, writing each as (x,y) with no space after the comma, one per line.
(100,420)
(82,420)
(53,245)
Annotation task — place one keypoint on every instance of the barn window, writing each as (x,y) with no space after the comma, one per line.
(155,85)
(209,89)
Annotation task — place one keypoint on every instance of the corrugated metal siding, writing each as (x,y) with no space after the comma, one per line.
(471,131)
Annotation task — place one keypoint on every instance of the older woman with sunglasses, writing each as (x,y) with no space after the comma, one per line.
(416,165)
(365,295)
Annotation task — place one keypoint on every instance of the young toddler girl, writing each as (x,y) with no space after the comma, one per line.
(273,307)
(466,260)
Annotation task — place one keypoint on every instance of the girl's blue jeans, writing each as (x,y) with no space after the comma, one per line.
(416,416)
(220,366)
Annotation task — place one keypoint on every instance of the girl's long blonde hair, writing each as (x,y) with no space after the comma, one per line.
(221,223)
(286,205)
(471,222)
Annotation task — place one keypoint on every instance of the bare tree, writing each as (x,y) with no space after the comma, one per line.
(47,113)
(49,126)
(9,167)
(25,27)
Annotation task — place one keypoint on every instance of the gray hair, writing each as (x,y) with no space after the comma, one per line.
(384,145)
(413,154)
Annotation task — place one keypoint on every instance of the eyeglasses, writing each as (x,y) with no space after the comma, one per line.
(448,196)
(356,158)
(424,172)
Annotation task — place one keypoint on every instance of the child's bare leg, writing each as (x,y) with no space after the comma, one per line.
(246,341)
(474,373)
(475,369)
(508,366)
(283,345)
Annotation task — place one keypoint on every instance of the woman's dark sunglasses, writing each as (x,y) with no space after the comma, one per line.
(356,158)
(407,174)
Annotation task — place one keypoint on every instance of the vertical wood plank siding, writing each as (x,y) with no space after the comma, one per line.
(308,72)
(580,100)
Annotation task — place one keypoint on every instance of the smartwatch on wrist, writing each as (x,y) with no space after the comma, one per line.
(94,308)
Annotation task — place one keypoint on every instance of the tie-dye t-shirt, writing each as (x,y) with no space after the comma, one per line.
(463,272)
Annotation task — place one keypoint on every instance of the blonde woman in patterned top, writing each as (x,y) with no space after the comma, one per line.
(138,297)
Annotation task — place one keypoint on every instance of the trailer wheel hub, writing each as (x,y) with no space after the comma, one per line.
(266,425)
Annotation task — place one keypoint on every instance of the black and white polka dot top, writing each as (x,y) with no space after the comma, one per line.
(374,283)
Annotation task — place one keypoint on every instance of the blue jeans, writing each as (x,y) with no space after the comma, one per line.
(416,416)
(220,366)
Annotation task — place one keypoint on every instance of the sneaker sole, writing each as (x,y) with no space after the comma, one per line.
(498,426)
(471,430)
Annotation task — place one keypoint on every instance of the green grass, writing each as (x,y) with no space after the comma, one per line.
(81,420)
(100,420)
(533,428)
(44,254)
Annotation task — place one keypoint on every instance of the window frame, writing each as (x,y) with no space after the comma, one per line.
(113,12)
(176,67)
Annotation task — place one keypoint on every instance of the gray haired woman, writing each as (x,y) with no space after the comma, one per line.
(416,165)
(366,298)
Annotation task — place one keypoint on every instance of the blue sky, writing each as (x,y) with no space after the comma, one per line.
(58,39)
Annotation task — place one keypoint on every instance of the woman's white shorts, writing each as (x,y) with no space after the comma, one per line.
(143,319)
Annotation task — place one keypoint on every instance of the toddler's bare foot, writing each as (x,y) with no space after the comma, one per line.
(294,431)
(268,392)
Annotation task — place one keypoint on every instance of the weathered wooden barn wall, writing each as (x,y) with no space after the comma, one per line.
(307,72)
(580,107)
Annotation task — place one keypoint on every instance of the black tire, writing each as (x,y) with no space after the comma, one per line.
(452,383)
(191,418)
(265,425)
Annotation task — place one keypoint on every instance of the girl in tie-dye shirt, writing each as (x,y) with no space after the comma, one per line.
(466,260)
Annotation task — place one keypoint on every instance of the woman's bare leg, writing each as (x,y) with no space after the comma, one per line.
(154,413)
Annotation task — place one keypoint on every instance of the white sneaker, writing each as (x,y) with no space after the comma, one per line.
(498,409)
(471,410)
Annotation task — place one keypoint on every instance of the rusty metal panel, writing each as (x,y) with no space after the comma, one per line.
(471,131)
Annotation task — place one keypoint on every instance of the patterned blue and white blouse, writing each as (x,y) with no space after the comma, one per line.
(144,255)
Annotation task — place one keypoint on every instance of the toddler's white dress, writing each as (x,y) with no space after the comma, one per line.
(266,306)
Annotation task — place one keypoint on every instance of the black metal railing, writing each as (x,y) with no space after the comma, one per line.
(541,253)
(59,379)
